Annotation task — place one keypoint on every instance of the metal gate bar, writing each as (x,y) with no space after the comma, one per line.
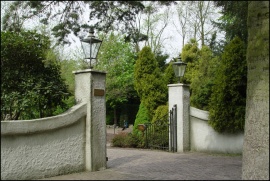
(162,134)
(157,135)
(173,129)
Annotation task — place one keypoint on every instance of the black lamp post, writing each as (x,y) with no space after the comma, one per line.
(179,68)
(90,46)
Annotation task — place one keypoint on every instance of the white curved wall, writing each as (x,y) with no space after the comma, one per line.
(40,148)
(204,138)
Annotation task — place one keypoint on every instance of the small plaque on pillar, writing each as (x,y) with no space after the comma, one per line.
(99,92)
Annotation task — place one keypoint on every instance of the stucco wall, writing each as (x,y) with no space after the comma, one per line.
(204,138)
(32,149)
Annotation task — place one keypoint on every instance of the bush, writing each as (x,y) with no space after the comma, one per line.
(127,140)
(161,113)
(69,102)
(130,141)
(119,139)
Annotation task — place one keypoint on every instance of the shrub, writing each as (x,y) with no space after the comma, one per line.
(134,141)
(119,139)
(127,140)
(161,113)
(161,119)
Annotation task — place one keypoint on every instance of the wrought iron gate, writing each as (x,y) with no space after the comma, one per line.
(173,129)
(162,134)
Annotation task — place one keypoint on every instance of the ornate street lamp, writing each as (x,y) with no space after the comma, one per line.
(90,46)
(179,68)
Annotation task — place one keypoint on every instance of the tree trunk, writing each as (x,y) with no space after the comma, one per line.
(115,116)
(256,140)
(201,19)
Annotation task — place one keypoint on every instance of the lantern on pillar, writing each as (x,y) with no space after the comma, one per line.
(179,68)
(90,46)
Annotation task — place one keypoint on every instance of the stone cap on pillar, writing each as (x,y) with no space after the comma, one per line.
(87,71)
(177,85)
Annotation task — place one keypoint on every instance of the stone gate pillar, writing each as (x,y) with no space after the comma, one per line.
(90,88)
(179,95)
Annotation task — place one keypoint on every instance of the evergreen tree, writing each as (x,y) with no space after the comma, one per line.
(190,55)
(234,19)
(142,117)
(202,80)
(169,74)
(148,81)
(228,100)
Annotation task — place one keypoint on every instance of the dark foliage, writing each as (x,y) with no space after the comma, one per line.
(31,85)
(228,100)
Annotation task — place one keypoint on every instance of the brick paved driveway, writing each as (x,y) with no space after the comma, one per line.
(140,164)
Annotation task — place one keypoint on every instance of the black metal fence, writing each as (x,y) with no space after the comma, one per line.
(161,134)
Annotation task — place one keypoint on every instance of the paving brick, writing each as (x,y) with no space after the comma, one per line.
(146,164)
(141,164)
